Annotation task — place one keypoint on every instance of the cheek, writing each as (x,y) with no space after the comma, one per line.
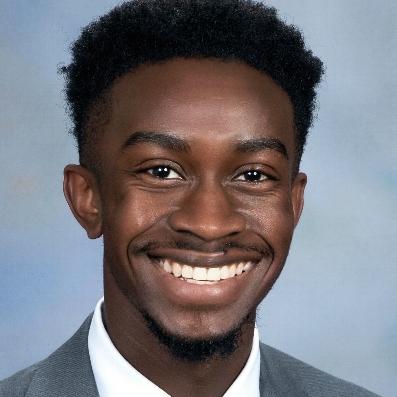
(272,218)
(130,213)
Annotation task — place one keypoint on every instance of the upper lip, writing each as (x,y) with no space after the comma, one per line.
(205,259)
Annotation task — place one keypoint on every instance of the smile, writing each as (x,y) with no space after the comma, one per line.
(204,275)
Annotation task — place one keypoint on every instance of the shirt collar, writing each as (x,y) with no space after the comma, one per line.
(115,376)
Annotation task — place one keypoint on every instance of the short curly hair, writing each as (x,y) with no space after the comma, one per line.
(150,31)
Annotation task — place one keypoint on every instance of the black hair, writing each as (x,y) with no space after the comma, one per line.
(150,31)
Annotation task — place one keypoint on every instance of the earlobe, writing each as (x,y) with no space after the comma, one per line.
(81,193)
(298,191)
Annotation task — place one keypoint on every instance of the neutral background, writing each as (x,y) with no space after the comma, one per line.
(335,303)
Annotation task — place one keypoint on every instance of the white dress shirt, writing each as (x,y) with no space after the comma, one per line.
(116,377)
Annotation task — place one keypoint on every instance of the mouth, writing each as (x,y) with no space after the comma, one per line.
(202,274)
(202,279)
(203,284)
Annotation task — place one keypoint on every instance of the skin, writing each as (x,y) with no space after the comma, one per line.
(207,203)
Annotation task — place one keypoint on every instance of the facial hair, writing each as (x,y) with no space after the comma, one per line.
(198,350)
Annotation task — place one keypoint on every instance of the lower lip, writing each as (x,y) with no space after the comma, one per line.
(182,292)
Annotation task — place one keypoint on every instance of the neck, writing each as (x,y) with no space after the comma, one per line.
(142,349)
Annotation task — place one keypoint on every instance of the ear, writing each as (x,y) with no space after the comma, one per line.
(298,191)
(82,195)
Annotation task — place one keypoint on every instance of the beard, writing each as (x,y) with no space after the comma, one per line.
(198,350)
(181,347)
(190,349)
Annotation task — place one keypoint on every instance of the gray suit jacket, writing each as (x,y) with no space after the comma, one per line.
(67,373)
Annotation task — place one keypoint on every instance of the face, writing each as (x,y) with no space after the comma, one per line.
(197,199)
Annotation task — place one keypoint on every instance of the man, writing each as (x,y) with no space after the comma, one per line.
(191,117)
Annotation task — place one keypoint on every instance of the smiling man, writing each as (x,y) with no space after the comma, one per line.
(191,118)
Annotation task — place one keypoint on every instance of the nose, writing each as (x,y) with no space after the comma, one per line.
(208,213)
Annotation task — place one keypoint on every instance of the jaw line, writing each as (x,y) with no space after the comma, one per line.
(199,350)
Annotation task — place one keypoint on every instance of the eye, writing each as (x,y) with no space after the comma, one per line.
(163,172)
(252,176)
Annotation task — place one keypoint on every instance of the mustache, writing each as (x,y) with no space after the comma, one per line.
(147,246)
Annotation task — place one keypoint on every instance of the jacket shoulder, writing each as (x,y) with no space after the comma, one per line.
(66,372)
(18,384)
(293,377)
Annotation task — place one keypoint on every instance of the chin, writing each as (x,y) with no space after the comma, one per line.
(200,343)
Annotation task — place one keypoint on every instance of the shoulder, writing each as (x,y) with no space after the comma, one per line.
(61,373)
(290,376)
(18,384)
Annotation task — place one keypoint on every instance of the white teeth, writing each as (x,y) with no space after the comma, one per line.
(187,271)
(176,269)
(193,281)
(225,272)
(232,270)
(247,266)
(200,273)
(214,274)
(167,266)
(204,275)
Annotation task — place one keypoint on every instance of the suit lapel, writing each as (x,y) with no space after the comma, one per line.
(67,372)
(276,377)
(267,387)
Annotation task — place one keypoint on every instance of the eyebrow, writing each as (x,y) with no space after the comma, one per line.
(258,144)
(170,141)
(164,139)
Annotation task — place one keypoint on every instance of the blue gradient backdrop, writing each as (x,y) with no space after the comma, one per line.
(334,305)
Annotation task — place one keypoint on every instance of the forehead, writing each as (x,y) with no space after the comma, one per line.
(199,99)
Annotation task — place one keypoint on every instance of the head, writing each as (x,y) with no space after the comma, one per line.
(190,118)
